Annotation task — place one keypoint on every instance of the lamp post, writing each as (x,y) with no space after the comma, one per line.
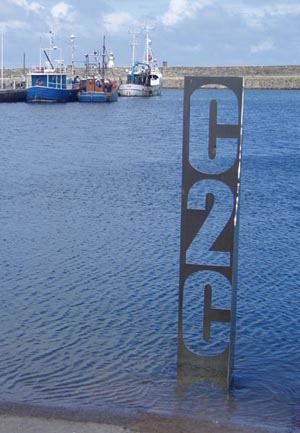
(72,38)
(2,67)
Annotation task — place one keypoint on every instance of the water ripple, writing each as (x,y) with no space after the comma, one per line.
(90,257)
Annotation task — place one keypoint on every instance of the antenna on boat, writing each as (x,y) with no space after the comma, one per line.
(51,33)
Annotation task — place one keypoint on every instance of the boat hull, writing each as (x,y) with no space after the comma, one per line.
(46,94)
(98,96)
(139,90)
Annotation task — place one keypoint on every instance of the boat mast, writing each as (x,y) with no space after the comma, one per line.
(87,66)
(147,43)
(40,53)
(103,58)
(148,51)
(133,44)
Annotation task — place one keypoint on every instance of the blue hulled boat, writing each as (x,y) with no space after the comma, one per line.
(95,86)
(52,82)
(50,86)
(96,89)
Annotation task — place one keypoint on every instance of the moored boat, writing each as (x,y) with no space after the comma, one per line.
(96,89)
(52,82)
(144,78)
(96,86)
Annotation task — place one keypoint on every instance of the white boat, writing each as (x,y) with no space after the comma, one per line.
(144,78)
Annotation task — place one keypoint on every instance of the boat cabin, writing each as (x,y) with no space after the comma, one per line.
(54,78)
(95,85)
(140,74)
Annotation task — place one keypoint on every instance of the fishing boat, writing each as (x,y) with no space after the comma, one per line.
(96,86)
(51,82)
(96,89)
(144,78)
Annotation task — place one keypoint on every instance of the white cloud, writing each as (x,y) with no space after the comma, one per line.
(194,48)
(266,45)
(283,10)
(12,25)
(179,10)
(63,12)
(28,6)
(256,15)
(118,22)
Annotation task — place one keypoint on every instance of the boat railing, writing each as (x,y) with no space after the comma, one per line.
(57,70)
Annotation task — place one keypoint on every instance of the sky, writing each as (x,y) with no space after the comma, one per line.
(183,32)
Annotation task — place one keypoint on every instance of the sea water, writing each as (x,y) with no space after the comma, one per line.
(90,232)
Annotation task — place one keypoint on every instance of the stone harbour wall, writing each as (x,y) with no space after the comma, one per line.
(256,77)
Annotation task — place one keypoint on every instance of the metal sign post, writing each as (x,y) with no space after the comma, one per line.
(209,230)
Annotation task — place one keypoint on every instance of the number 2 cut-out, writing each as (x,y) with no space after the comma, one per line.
(209,219)
(201,247)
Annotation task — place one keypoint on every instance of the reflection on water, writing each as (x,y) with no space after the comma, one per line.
(90,223)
